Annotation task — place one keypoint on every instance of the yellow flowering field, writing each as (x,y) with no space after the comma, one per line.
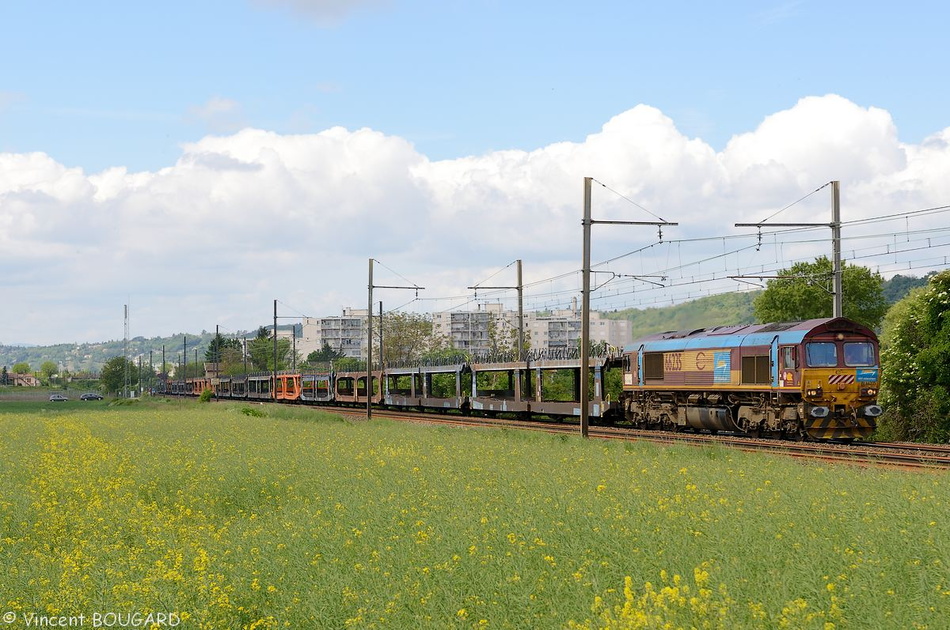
(216,516)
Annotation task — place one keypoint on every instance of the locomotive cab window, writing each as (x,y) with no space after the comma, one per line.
(821,354)
(858,354)
(789,358)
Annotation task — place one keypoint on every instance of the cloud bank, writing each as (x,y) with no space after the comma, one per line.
(242,219)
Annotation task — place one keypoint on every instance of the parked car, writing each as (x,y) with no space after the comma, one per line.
(90,396)
(57,398)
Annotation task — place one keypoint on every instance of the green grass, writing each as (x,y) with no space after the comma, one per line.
(300,519)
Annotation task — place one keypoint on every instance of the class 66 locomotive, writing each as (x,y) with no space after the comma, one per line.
(816,379)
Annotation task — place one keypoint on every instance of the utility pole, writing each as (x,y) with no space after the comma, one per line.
(837,288)
(836,248)
(274,383)
(369,335)
(369,346)
(125,353)
(585,301)
(520,288)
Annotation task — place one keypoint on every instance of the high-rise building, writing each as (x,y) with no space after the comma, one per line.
(343,333)
(473,331)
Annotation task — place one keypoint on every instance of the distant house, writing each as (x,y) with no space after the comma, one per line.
(24,380)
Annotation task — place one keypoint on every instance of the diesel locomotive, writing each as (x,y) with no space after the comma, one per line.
(813,379)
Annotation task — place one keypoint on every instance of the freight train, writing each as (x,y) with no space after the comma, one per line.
(816,379)
(539,385)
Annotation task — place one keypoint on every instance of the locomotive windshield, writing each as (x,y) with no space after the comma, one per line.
(825,354)
(858,354)
(821,354)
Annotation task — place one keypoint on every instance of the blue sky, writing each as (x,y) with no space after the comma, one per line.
(198,160)
(100,84)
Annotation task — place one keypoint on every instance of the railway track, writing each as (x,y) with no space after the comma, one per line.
(908,456)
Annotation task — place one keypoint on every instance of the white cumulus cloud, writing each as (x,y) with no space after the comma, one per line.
(244,218)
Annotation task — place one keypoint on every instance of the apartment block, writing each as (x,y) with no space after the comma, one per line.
(470,330)
(344,333)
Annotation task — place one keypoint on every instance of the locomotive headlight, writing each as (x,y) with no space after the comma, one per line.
(813,393)
(869,391)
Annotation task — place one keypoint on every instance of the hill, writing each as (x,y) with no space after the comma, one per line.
(729,308)
(90,357)
(715,310)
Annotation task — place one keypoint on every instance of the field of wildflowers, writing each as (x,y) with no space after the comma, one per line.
(298,519)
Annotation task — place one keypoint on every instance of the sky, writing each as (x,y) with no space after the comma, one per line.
(198,160)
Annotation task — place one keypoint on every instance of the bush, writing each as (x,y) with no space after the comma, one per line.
(206,396)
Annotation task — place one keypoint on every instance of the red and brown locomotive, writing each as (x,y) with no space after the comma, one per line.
(816,379)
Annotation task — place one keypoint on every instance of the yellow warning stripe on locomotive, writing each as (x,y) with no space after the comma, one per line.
(831,428)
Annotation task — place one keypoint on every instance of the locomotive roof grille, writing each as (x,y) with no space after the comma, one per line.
(747,335)
(778,327)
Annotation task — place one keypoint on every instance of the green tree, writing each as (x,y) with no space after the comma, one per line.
(806,294)
(408,336)
(4,376)
(48,369)
(232,361)
(915,357)
(261,351)
(899,286)
(324,355)
(218,344)
(227,353)
(503,337)
(22,368)
(113,374)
